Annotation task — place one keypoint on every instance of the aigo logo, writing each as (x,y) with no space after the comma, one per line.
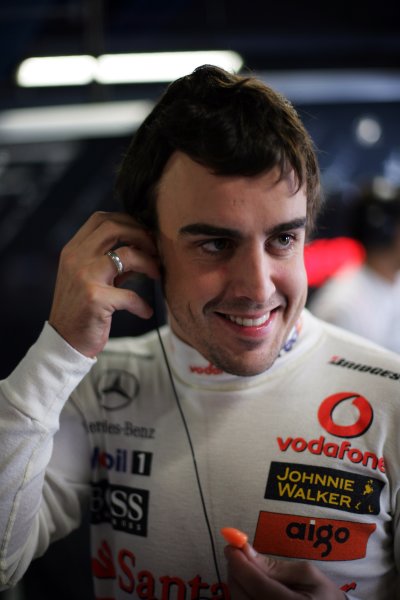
(312,538)
(356,429)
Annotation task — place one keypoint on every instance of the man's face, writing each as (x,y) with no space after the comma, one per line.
(232,250)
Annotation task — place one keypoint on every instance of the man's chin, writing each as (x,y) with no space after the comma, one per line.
(245,368)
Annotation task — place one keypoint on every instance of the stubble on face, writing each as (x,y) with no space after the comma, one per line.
(198,305)
(185,325)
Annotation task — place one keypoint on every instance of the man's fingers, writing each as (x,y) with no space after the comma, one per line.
(133,261)
(104,231)
(248,574)
(264,577)
(97,219)
(301,576)
(88,292)
(298,574)
(127,299)
(86,268)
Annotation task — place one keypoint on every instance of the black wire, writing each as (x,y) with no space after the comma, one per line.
(189,438)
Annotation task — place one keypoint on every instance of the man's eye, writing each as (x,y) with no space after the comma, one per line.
(283,241)
(216,245)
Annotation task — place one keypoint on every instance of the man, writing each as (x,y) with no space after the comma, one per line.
(244,411)
(350,299)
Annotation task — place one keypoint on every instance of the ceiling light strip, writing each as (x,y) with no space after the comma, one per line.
(78,121)
(149,67)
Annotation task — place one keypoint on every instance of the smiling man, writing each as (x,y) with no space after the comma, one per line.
(241,239)
(243,411)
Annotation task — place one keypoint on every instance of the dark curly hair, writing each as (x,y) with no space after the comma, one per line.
(231,124)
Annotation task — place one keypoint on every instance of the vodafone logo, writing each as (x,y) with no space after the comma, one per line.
(344,415)
(364,419)
(210,369)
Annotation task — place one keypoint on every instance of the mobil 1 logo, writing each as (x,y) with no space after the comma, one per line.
(121,460)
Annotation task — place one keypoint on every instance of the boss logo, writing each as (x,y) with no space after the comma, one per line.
(125,508)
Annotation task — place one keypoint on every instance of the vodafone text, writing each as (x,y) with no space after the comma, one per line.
(341,451)
(210,369)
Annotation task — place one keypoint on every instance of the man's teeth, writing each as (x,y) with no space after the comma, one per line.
(248,322)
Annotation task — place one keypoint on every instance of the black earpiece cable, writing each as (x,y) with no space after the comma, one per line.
(189,438)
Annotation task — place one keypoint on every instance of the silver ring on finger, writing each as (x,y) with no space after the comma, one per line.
(117,261)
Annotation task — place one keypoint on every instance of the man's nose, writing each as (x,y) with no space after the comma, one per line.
(252,275)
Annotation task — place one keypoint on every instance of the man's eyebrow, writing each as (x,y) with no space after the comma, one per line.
(215,231)
(209,230)
(299,223)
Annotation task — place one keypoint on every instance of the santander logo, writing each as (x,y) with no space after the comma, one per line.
(359,427)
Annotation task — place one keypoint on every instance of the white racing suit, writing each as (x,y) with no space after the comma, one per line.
(304,458)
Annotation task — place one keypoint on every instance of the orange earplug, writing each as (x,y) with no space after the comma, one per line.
(234,537)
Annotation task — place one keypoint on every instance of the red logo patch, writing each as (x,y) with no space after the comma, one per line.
(311,538)
(364,420)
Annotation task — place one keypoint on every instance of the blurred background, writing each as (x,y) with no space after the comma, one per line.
(61,141)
